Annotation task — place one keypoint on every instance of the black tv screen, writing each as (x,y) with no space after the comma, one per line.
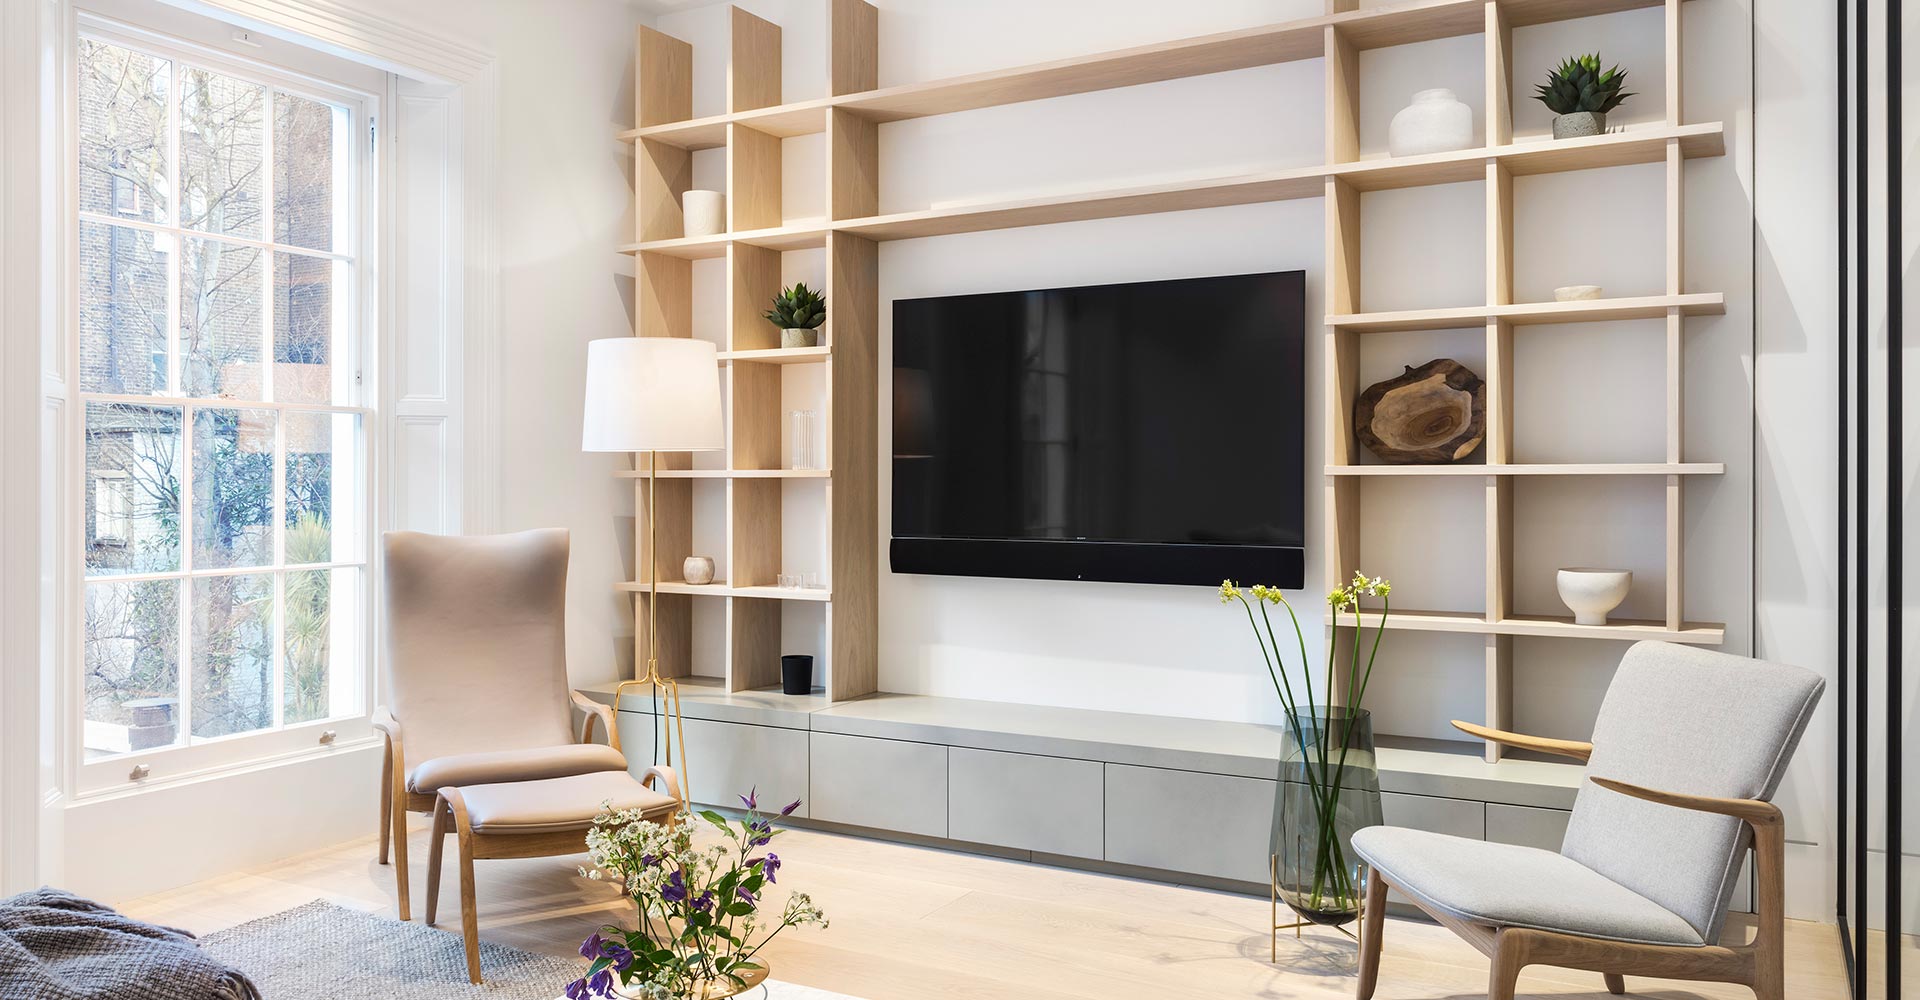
(1149,432)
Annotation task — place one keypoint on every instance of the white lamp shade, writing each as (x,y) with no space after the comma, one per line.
(652,394)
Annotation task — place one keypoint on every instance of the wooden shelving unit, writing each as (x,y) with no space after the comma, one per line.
(755,485)
(850,115)
(1671,144)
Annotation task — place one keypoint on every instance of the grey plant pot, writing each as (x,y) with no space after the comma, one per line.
(1578,124)
(793,338)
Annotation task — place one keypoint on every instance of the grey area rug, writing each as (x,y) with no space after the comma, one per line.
(320,951)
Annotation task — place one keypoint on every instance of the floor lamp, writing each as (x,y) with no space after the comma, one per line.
(653,394)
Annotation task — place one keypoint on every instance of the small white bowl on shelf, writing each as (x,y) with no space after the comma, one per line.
(1591,593)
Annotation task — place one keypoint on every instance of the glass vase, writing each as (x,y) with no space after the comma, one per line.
(1329,787)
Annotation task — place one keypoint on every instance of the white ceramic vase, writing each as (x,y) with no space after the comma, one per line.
(1435,122)
(697,570)
(705,212)
(1591,593)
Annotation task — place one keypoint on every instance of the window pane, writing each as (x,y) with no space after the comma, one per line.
(132,662)
(309,173)
(309,640)
(123,132)
(133,488)
(323,487)
(123,309)
(305,316)
(220,324)
(232,645)
(222,126)
(232,488)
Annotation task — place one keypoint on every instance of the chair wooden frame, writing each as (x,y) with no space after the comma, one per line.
(396,800)
(1759,964)
(474,845)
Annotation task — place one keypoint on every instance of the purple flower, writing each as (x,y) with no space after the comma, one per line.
(675,891)
(744,894)
(577,990)
(769,865)
(602,983)
(648,860)
(590,948)
(759,833)
(787,810)
(620,955)
(752,799)
(704,902)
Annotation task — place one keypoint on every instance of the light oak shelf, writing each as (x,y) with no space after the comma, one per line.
(727,474)
(754,501)
(1642,145)
(799,237)
(1533,313)
(1630,630)
(719,588)
(778,356)
(1266,45)
(1509,469)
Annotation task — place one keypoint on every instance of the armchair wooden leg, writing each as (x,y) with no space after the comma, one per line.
(435,843)
(401,879)
(386,802)
(1616,984)
(1509,957)
(1373,920)
(469,909)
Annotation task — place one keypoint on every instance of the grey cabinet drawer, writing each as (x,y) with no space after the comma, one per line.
(1527,826)
(725,760)
(1046,804)
(882,784)
(1454,817)
(1185,821)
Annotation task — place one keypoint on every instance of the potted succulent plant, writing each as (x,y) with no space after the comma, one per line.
(1580,94)
(798,312)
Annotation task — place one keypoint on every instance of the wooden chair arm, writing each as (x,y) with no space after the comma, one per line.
(668,782)
(595,711)
(387,725)
(1753,811)
(1563,748)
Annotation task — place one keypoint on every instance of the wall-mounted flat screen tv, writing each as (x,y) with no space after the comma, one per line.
(1148,432)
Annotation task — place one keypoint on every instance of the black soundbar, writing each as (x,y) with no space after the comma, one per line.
(1200,565)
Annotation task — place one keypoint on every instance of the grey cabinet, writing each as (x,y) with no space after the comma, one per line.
(1185,821)
(1047,804)
(1526,826)
(881,784)
(724,760)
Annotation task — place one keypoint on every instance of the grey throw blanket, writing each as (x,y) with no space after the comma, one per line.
(57,946)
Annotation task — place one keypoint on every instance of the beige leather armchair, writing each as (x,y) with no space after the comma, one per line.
(477,675)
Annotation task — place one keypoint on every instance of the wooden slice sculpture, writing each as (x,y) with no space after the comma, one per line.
(1430,415)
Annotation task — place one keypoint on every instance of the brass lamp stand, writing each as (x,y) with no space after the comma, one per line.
(676,732)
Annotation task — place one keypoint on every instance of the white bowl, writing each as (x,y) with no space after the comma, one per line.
(1591,593)
(1576,293)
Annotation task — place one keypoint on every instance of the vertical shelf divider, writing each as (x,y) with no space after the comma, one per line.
(753,62)
(853,43)
(1676,167)
(1342,291)
(1498,670)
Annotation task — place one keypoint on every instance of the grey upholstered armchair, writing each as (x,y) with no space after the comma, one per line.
(1689,747)
(477,674)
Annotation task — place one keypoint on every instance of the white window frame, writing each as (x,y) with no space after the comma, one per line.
(191,39)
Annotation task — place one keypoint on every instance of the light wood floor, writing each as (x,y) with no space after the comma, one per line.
(913,923)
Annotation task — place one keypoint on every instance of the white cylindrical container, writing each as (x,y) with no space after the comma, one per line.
(705,212)
(1435,122)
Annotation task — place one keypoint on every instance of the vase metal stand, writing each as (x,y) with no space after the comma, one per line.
(1273,938)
